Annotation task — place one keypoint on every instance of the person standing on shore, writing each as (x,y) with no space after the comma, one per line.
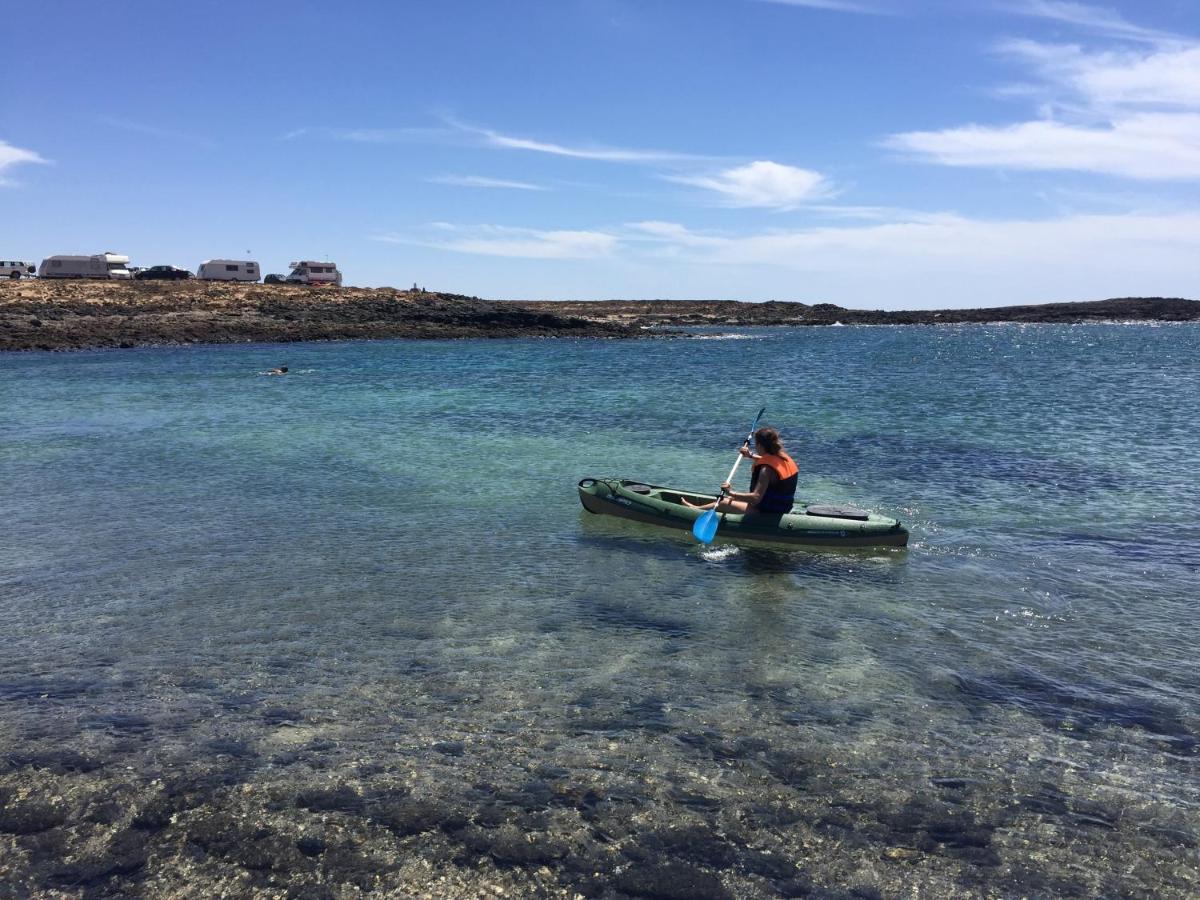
(772,480)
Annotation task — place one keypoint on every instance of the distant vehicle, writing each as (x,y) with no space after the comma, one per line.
(274,279)
(309,271)
(101,265)
(15,268)
(227,270)
(164,273)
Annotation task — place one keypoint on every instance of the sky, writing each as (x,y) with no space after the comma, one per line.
(876,154)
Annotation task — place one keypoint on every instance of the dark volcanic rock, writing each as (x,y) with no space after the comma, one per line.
(647,313)
(72,315)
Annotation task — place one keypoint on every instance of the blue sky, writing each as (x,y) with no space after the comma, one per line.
(871,153)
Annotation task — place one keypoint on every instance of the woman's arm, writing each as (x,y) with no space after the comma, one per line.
(765,480)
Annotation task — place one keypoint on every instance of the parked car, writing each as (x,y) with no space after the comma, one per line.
(310,271)
(15,268)
(101,265)
(227,270)
(165,273)
(274,278)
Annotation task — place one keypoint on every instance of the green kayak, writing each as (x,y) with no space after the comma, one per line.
(807,524)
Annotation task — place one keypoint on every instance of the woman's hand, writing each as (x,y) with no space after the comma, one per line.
(746,451)
(726,488)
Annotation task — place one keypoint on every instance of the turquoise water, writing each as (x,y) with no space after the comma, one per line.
(350,628)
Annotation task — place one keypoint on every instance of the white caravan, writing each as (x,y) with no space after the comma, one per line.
(101,265)
(16,268)
(310,271)
(227,270)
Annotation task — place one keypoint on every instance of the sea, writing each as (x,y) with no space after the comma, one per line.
(350,630)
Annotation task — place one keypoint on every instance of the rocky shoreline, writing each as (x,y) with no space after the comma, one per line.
(698,313)
(77,315)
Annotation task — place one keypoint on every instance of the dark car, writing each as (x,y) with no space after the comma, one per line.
(274,279)
(167,273)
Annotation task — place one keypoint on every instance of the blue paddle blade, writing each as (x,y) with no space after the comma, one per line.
(705,527)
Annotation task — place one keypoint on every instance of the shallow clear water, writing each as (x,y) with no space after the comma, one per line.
(350,627)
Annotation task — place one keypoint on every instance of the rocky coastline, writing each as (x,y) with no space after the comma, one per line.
(699,313)
(77,315)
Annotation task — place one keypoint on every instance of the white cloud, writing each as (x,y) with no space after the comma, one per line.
(1096,19)
(1163,78)
(523,243)
(1124,113)
(944,261)
(154,131)
(762,184)
(366,135)
(832,5)
(1147,146)
(604,154)
(15,156)
(482,181)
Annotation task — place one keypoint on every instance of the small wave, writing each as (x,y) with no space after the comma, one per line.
(719,554)
(726,337)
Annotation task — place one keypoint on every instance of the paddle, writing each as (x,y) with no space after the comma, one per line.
(705,527)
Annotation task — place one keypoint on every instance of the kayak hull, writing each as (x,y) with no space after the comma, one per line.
(662,506)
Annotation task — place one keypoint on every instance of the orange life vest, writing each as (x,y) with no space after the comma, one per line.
(780,496)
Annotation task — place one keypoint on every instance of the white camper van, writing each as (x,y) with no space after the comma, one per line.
(102,265)
(228,270)
(309,271)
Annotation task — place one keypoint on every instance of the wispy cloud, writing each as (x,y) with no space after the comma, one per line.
(834,6)
(942,258)
(1093,19)
(522,243)
(14,156)
(481,181)
(155,131)
(1144,146)
(594,152)
(367,135)
(762,184)
(1123,112)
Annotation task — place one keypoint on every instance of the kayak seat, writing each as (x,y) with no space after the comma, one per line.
(838,512)
(638,488)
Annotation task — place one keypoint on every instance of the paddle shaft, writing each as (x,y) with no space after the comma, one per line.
(733,471)
(746,443)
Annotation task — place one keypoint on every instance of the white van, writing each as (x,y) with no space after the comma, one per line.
(15,268)
(227,270)
(101,265)
(310,271)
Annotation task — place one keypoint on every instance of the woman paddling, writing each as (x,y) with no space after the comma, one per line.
(772,480)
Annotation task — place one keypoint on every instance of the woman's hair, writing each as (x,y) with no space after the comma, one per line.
(767,438)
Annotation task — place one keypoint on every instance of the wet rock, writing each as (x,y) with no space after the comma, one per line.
(156,814)
(126,854)
(800,886)
(311,846)
(671,881)
(793,769)
(406,816)
(280,715)
(1048,799)
(450,748)
(338,799)
(231,747)
(31,817)
(58,762)
(106,812)
(510,846)
(774,866)
(693,843)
